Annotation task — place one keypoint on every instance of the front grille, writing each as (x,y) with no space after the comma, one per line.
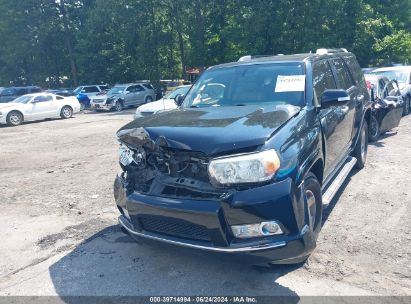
(98,100)
(146,113)
(174,227)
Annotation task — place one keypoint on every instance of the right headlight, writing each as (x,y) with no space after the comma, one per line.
(246,168)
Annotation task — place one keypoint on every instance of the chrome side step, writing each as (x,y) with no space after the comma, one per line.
(338,180)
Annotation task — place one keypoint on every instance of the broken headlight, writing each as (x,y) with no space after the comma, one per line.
(246,168)
(127,156)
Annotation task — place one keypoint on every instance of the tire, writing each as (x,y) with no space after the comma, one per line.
(14,118)
(374,129)
(406,109)
(313,195)
(361,148)
(66,112)
(148,99)
(82,106)
(118,107)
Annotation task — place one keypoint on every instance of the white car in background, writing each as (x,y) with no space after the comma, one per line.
(403,76)
(166,103)
(37,107)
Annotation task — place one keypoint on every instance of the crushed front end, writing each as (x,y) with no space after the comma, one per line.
(166,194)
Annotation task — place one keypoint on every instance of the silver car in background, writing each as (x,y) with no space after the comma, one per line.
(124,95)
(402,74)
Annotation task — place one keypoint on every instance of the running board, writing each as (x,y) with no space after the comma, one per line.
(339,180)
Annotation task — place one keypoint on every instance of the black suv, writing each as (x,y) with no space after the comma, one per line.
(247,161)
(9,94)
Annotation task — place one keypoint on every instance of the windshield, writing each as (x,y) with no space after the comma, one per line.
(178,91)
(399,75)
(117,90)
(278,83)
(22,99)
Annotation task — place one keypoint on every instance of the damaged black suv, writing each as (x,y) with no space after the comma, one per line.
(247,161)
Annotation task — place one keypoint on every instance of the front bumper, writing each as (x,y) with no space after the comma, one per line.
(100,106)
(281,202)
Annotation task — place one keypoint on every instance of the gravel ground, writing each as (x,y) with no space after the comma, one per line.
(59,232)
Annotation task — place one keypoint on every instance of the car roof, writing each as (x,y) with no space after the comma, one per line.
(284,58)
(394,68)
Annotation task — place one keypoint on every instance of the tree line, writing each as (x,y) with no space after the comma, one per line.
(56,43)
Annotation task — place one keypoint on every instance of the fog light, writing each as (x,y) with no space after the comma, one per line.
(256,230)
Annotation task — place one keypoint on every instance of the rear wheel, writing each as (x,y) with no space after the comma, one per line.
(406,108)
(374,129)
(66,112)
(82,106)
(14,118)
(361,148)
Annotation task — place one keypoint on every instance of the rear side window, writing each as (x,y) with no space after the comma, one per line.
(138,88)
(148,86)
(103,87)
(91,90)
(323,78)
(354,68)
(43,98)
(343,75)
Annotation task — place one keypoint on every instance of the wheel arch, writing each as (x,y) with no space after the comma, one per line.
(18,111)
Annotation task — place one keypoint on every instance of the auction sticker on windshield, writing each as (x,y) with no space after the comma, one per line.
(290,83)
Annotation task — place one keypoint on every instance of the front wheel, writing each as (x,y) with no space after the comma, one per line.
(374,129)
(314,212)
(82,106)
(118,107)
(148,99)
(406,108)
(14,118)
(66,112)
(361,148)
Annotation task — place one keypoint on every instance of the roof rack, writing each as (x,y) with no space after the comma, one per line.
(330,51)
(250,57)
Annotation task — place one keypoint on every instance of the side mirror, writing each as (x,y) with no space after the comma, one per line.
(178,100)
(334,98)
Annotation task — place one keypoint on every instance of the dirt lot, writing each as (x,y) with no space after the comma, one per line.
(59,232)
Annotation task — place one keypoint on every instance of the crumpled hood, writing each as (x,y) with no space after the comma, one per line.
(210,130)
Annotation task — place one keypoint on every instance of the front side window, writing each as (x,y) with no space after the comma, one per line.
(343,75)
(323,78)
(278,83)
(43,98)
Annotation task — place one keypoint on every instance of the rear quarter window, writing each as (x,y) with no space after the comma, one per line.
(355,69)
(343,75)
